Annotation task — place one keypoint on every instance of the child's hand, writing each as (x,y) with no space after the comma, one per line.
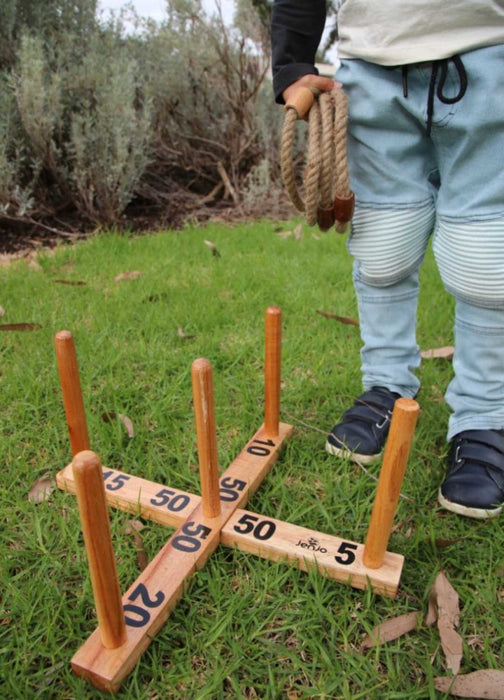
(309,81)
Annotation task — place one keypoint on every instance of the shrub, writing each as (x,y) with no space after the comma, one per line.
(84,124)
(110,135)
(214,117)
(173,117)
(50,20)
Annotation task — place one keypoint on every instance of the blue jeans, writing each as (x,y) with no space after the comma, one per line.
(410,186)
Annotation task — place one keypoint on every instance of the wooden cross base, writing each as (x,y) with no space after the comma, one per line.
(128,623)
(149,601)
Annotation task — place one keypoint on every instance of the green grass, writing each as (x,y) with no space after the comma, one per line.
(246,627)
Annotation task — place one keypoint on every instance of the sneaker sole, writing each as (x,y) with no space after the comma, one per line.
(353,456)
(467,511)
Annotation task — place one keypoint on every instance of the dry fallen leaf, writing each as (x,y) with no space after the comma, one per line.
(142,558)
(127,276)
(401,524)
(480,684)
(50,673)
(132,528)
(73,283)
(441,543)
(19,326)
(298,232)
(34,265)
(317,238)
(474,641)
(444,606)
(284,234)
(437,394)
(293,695)
(182,335)
(110,416)
(342,319)
(445,352)
(2,311)
(391,629)
(213,248)
(41,490)
(127,424)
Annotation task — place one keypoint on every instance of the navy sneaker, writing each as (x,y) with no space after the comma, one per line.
(362,432)
(474,485)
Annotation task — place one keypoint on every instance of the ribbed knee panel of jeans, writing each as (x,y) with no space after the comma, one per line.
(470,257)
(390,244)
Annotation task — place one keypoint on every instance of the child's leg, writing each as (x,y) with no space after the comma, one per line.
(389,352)
(476,393)
(469,249)
(388,247)
(387,295)
(391,163)
(474,485)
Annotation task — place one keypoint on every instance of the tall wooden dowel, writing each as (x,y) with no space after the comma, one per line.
(395,459)
(272,370)
(71,388)
(202,386)
(96,529)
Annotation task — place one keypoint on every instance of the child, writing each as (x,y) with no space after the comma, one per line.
(426,156)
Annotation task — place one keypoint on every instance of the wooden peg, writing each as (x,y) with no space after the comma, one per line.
(96,529)
(202,386)
(272,370)
(72,394)
(397,449)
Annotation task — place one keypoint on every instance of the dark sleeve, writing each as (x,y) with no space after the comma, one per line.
(296,31)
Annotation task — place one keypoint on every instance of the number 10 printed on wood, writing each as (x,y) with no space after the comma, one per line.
(127,624)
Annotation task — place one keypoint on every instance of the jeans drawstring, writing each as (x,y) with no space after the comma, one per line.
(440,67)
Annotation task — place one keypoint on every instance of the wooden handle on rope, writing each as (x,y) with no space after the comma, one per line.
(326,218)
(344,208)
(301,101)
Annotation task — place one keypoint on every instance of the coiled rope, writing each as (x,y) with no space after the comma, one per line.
(328,197)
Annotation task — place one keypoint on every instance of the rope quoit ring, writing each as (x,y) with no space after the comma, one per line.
(328,197)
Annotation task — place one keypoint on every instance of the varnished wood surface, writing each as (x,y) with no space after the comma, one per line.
(66,358)
(272,369)
(204,412)
(395,459)
(94,517)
